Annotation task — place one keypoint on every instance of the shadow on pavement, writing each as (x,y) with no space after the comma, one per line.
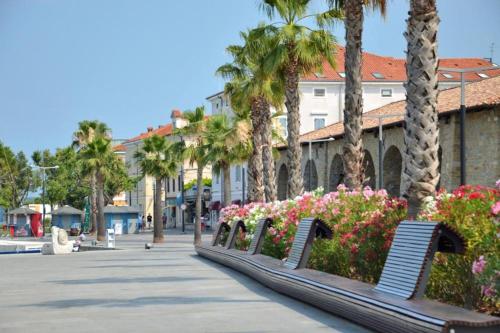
(115,280)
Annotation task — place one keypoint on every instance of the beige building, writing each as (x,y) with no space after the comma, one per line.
(482,137)
(143,194)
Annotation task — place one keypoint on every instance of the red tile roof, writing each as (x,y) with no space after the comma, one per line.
(164,130)
(393,69)
(485,93)
(119,148)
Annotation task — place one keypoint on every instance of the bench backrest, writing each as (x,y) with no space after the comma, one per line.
(219,231)
(259,235)
(237,226)
(307,230)
(409,261)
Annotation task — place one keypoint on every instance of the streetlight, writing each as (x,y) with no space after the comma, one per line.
(462,71)
(380,118)
(43,191)
(310,157)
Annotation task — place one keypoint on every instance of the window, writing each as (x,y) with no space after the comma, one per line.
(168,184)
(386,92)
(484,76)
(179,184)
(342,74)
(238,173)
(173,184)
(378,75)
(319,92)
(217,178)
(217,106)
(283,126)
(319,123)
(448,75)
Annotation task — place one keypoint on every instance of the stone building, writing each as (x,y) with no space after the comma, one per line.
(482,133)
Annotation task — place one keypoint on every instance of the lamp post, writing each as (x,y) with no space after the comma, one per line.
(462,72)
(43,190)
(310,158)
(381,118)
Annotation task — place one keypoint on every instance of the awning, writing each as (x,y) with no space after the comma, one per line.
(236,202)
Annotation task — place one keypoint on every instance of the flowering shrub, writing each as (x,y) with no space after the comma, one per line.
(471,280)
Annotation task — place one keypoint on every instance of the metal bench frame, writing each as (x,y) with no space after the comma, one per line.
(259,236)
(231,240)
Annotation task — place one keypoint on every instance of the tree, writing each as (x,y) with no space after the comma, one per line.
(196,152)
(227,142)
(97,158)
(251,87)
(158,159)
(299,50)
(353,111)
(421,163)
(88,130)
(16,178)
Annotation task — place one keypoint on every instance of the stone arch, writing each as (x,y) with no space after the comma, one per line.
(392,171)
(369,170)
(310,183)
(283,182)
(336,173)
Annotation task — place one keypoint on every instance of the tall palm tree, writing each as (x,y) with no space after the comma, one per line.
(353,111)
(87,131)
(421,170)
(299,50)
(228,142)
(158,159)
(256,89)
(196,152)
(96,158)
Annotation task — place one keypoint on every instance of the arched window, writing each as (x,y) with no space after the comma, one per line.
(336,173)
(310,176)
(392,171)
(283,182)
(369,170)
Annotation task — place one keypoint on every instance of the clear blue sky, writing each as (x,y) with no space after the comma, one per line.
(130,62)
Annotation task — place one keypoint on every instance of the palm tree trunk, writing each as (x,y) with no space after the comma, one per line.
(421,171)
(292,103)
(255,167)
(199,192)
(267,156)
(226,172)
(157,222)
(93,204)
(101,223)
(353,111)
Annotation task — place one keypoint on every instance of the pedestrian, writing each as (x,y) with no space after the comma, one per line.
(143,223)
(164,220)
(150,219)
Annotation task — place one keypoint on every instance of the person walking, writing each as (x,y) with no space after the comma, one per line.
(143,223)
(150,219)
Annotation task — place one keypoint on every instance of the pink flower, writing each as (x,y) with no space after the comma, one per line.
(498,184)
(495,208)
(488,291)
(478,265)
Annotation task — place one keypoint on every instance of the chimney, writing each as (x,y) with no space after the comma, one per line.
(150,129)
(176,113)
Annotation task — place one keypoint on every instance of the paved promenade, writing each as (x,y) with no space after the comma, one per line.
(165,289)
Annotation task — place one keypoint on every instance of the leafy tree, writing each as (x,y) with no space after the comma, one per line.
(157,158)
(421,170)
(16,178)
(299,50)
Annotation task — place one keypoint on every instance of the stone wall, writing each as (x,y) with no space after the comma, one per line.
(482,153)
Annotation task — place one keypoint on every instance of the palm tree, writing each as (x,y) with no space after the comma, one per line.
(97,157)
(256,89)
(299,50)
(353,122)
(196,152)
(227,142)
(158,159)
(421,170)
(87,131)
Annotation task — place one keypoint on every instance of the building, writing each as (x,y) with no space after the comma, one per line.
(482,142)
(121,198)
(143,194)
(322,96)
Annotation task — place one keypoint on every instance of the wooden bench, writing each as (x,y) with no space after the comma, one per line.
(259,236)
(408,265)
(307,230)
(235,228)
(218,232)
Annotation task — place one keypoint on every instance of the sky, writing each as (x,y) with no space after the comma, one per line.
(128,63)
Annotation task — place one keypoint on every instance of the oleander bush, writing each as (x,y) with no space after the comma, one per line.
(363,225)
